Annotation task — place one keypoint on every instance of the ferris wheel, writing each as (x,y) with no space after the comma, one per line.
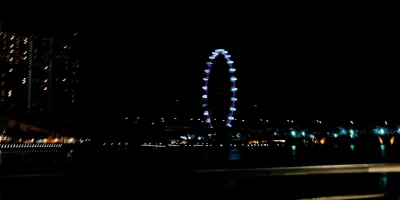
(233,89)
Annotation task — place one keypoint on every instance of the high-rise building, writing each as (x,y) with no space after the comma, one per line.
(65,77)
(14,66)
(41,49)
(38,75)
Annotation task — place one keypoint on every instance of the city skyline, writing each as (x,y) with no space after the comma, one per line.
(280,72)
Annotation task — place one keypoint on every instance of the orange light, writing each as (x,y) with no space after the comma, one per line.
(322,141)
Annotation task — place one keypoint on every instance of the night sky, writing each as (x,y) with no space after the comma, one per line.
(50,27)
(143,68)
(277,69)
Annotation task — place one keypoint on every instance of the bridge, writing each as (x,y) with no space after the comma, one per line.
(10,123)
(30,124)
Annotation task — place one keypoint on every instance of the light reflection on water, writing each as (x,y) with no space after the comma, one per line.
(352,148)
(383,180)
(295,155)
(383,151)
(293,152)
(234,154)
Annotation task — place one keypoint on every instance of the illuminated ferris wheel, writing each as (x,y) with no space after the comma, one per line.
(233,89)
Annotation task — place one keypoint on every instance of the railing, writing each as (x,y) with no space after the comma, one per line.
(18,146)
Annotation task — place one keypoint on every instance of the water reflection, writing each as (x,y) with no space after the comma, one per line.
(383,180)
(293,152)
(352,147)
(383,150)
(233,154)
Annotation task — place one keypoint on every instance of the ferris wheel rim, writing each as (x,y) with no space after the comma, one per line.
(233,79)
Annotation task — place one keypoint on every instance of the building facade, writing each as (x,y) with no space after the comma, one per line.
(39,75)
(14,65)
(65,77)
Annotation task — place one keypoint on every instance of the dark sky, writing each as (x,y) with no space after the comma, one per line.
(288,65)
(278,68)
(54,27)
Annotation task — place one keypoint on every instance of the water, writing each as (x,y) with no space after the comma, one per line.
(167,173)
(291,187)
(251,157)
(184,186)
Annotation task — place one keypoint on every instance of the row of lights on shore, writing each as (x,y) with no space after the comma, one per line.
(116,143)
(175,118)
(262,120)
(207,145)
